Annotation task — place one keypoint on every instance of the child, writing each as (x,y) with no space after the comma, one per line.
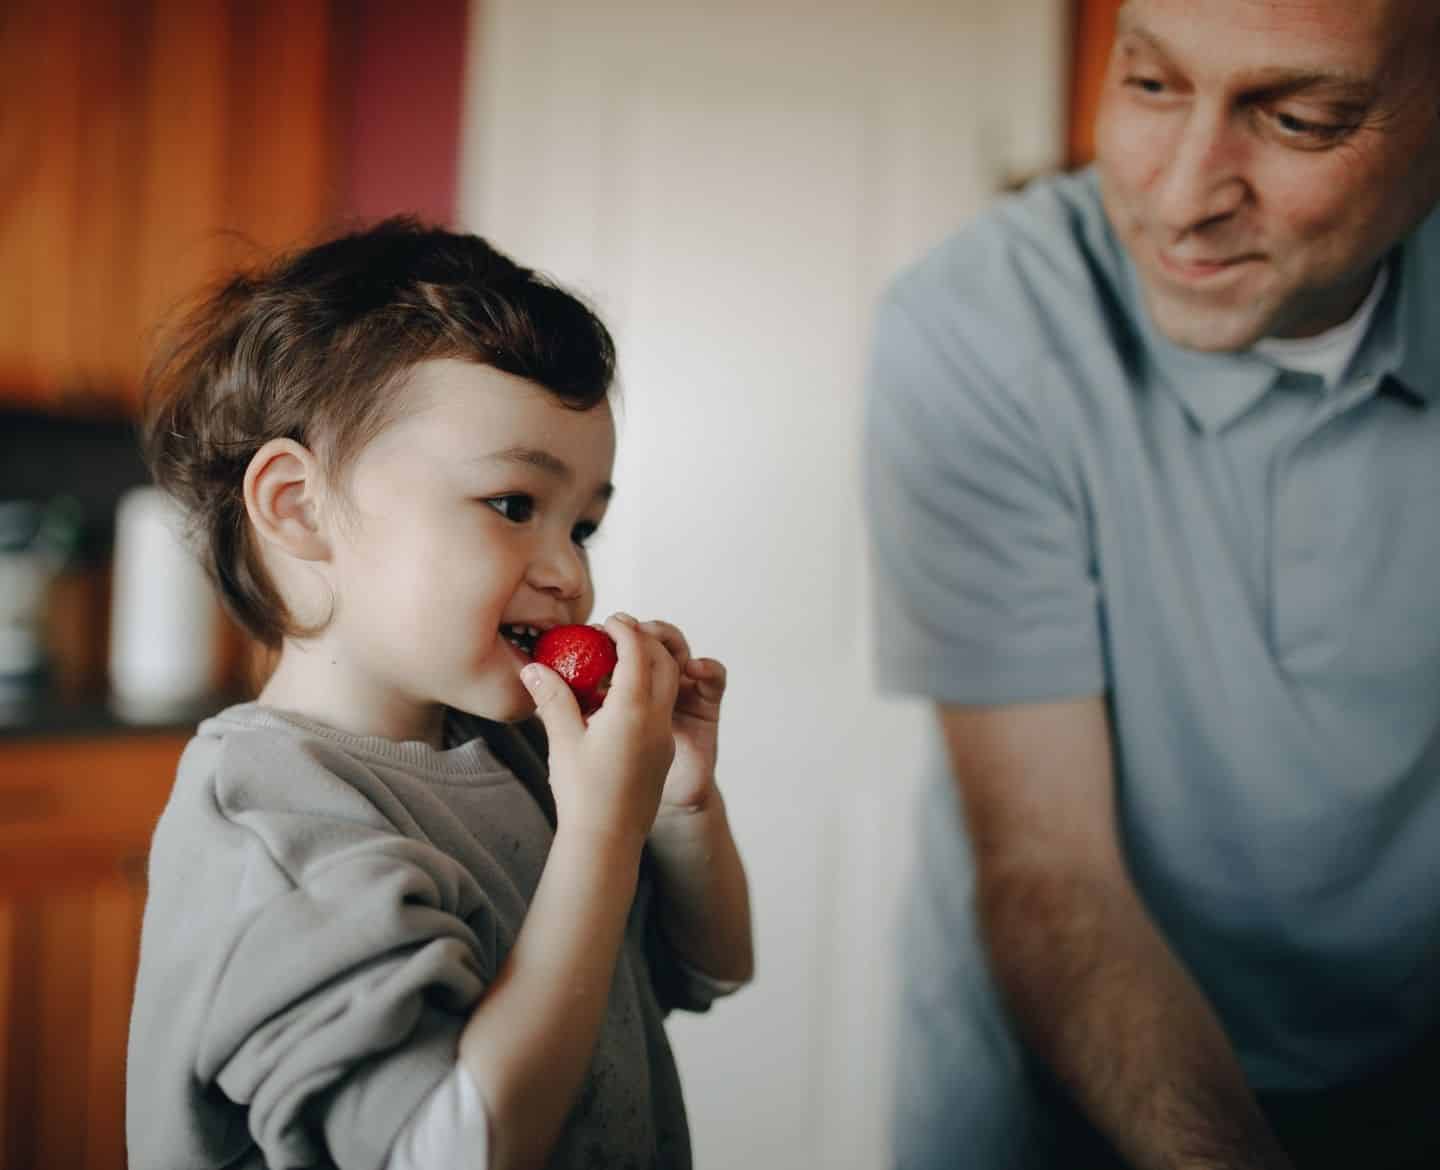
(380,931)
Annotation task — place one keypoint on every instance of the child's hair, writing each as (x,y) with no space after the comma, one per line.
(316,346)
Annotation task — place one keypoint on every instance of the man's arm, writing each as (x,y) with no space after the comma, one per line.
(1093,987)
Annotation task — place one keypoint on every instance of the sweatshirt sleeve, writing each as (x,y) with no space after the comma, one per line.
(305,967)
(678,986)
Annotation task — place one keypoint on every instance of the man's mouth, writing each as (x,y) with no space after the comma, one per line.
(521,637)
(1199,269)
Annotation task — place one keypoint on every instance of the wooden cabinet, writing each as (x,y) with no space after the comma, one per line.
(145,145)
(75,823)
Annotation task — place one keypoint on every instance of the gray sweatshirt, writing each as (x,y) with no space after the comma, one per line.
(324,912)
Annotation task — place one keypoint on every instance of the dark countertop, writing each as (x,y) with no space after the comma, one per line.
(48,716)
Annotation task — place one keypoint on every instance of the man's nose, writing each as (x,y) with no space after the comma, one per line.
(1203,180)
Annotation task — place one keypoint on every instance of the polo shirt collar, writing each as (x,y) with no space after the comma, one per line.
(1402,344)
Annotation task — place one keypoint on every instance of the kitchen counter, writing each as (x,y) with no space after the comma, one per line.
(49,716)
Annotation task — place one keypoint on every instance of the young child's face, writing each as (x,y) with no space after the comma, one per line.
(466,515)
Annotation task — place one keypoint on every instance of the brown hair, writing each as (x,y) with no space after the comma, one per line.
(314,346)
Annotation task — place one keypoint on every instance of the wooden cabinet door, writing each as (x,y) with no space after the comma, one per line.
(146,146)
(75,824)
(69,134)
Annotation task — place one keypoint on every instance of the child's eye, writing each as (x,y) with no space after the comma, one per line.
(582,533)
(517,508)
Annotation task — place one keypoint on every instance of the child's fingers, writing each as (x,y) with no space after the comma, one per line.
(702,686)
(555,704)
(671,638)
(631,680)
(665,672)
(709,677)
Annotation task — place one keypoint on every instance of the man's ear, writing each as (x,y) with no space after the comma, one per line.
(282,496)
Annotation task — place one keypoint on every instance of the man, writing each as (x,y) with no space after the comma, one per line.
(1154,488)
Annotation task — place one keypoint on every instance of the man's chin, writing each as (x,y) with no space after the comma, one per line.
(1205,329)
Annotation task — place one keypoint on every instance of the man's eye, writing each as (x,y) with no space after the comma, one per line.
(1293,127)
(582,533)
(517,509)
(1146,85)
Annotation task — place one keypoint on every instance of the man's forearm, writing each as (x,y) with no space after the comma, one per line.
(1103,1001)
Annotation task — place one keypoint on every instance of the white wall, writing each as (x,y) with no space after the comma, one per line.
(732,184)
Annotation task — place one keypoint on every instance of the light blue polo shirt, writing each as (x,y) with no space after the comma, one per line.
(1064,503)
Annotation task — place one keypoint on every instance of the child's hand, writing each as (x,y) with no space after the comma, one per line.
(607,775)
(696,721)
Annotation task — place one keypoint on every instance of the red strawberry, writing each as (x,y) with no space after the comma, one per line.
(584,656)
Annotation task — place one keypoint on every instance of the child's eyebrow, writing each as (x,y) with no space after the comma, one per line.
(546,462)
(533,457)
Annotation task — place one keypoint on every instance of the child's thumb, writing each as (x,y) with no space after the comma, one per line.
(555,703)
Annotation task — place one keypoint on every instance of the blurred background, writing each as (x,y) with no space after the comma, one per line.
(732,185)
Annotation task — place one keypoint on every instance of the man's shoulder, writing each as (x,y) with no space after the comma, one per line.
(1035,283)
(1428,234)
(1040,258)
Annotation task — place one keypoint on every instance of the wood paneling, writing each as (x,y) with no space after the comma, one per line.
(116,909)
(145,145)
(101,336)
(182,166)
(1094,34)
(7,1023)
(290,183)
(75,822)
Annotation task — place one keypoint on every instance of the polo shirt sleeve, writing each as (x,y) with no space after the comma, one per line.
(984,591)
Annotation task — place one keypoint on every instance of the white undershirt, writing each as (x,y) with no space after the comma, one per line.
(1327,354)
(450,1130)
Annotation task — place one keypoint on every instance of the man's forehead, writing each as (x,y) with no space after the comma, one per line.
(1384,19)
(1362,35)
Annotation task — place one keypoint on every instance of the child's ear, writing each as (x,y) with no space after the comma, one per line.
(282,496)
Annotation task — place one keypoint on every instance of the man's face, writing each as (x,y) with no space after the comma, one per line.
(1258,157)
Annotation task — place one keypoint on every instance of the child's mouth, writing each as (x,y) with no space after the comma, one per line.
(521,637)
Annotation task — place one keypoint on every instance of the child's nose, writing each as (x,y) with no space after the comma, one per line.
(560,569)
